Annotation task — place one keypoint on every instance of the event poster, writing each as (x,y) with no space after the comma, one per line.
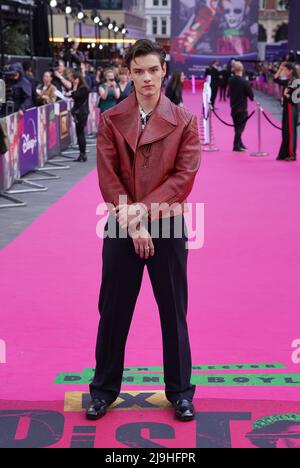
(42,132)
(64,125)
(205,30)
(93,119)
(10,166)
(52,131)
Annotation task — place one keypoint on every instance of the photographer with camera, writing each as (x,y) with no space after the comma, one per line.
(60,80)
(29,75)
(20,87)
(72,56)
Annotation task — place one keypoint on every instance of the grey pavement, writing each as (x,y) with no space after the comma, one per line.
(13,221)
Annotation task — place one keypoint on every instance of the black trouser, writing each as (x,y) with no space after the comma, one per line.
(288,147)
(80,127)
(240,122)
(223,91)
(214,93)
(121,281)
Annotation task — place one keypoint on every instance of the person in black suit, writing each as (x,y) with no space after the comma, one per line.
(240,91)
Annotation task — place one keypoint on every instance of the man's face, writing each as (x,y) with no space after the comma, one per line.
(234,12)
(61,67)
(147,75)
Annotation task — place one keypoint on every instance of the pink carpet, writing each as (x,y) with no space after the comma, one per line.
(244,283)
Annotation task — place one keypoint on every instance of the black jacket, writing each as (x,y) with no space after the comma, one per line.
(21,90)
(240,90)
(81,103)
(175,96)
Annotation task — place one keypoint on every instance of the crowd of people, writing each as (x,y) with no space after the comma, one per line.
(71,75)
(68,77)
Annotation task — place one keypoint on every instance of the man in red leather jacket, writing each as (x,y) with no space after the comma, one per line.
(148,155)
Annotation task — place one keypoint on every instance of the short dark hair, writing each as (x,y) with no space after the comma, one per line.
(26,65)
(144,47)
(78,76)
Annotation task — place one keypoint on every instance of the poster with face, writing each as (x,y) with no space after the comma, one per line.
(64,125)
(72,128)
(206,30)
(42,133)
(94,113)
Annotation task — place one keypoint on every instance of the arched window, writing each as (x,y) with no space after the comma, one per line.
(282,33)
(262,34)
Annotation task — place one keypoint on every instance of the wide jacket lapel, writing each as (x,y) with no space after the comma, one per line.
(125,117)
(161,124)
(127,120)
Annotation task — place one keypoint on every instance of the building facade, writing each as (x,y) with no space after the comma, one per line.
(158,16)
(273,21)
(130,13)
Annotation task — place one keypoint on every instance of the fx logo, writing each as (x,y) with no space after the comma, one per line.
(2,352)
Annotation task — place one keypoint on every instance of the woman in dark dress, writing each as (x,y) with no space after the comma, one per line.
(174,88)
(80,112)
(288,150)
(125,85)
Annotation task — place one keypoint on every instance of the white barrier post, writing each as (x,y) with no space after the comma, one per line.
(209,147)
(193,84)
(259,153)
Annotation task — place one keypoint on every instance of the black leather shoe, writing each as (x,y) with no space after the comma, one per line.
(81,158)
(97,409)
(184,410)
(238,150)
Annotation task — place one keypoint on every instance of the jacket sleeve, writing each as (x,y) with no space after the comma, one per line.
(108,165)
(180,183)
(27,97)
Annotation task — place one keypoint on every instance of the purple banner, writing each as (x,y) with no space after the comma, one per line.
(205,30)
(28,145)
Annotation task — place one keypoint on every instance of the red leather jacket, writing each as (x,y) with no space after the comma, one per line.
(154,166)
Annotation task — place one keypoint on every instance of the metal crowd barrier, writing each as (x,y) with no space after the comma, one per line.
(34,140)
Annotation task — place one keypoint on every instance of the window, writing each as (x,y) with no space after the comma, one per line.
(281,5)
(164,26)
(154,25)
(262,4)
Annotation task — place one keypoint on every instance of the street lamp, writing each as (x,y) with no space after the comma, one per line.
(53,4)
(68,11)
(124,32)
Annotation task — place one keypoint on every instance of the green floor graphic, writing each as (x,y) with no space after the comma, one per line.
(152,376)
